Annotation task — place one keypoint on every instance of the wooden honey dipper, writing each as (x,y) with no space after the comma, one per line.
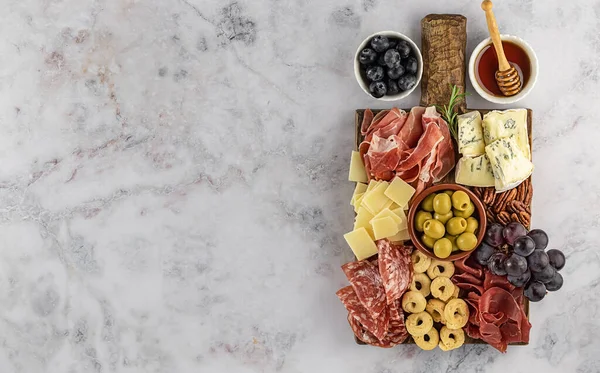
(507,76)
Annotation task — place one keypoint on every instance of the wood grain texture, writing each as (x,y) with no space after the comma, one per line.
(444,44)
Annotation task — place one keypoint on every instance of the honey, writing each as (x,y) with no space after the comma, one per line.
(487,65)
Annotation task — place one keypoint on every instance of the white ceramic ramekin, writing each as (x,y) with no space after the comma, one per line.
(361,79)
(526,89)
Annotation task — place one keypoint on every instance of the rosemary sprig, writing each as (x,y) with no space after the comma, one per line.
(449,111)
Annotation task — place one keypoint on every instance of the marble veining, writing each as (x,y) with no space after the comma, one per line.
(173,185)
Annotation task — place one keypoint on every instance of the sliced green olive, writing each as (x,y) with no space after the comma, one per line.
(428,241)
(442,248)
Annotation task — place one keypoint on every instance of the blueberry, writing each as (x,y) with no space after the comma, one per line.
(381,59)
(411,65)
(380,43)
(407,82)
(375,73)
(367,56)
(392,58)
(395,73)
(404,48)
(378,89)
(392,87)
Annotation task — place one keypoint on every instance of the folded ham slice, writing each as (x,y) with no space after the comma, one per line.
(416,147)
(497,315)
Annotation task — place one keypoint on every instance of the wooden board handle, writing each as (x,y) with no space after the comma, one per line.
(444,45)
(487,5)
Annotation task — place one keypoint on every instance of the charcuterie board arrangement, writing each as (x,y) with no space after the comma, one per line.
(445,253)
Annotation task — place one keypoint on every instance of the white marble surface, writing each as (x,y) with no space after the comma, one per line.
(173,185)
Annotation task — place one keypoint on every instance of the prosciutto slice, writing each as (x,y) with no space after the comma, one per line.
(415,146)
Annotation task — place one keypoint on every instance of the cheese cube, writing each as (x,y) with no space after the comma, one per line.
(375,200)
(357,168)
(509,164)
(384,227)
(470,134)
(400,236)
(475,172)
(363,220)
(361,243)
(400,192)
(503,124)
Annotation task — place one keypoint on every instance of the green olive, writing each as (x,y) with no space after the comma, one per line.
(428,241)
(442,204)
(456,226)
(449,192)
(427,203)
(442,248)
(434,229)
(472,225)
(453,240)
(460,200)
(443,217)
(420,218)
(466,213)
(466,241)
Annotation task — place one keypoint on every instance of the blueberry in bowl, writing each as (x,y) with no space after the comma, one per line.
(388,65)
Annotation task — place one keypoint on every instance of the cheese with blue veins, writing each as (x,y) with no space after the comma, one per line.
(476,171)
(507,123)
(470,134)
(510,166)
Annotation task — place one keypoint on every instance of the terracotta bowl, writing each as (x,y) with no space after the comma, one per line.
(414,235)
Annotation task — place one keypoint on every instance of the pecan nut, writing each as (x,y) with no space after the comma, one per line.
(503,218)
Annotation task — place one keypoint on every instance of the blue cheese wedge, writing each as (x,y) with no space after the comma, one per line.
(507,123)
(476,171)
(470,134)
(509,164)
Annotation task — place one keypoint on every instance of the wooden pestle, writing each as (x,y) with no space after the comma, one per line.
(507,77)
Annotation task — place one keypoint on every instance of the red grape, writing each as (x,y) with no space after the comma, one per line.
(556,258)
(520,281)
(513,231)
(524,246)
(496,264)
(535,291)
(556,282)
(540,237)
(538,260)
(515,265)
(493,235)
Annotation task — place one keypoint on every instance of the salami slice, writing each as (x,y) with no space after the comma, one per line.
(366,281)
(376,326)
(395,269)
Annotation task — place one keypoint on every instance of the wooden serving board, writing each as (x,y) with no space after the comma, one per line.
(444,64)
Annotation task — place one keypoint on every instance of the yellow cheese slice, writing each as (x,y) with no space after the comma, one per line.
(355,198)
(358,202)
(359,189)
(384,227)
(363,220)
(402,215)
(357,168)
(387,213)
(372,184)
(394,206)
(399,191)
(400,236)
(376,200)
(361,243)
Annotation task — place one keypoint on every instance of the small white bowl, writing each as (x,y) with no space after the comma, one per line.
(504,99)
(362,80)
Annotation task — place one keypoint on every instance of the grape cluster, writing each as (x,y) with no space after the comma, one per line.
(521,256)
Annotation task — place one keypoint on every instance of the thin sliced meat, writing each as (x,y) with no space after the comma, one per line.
(431,137)
(377,326)
(395,269)
(413,128)
(366,122)
(470,266)
(366,281)
(444,160)
(468,278)
(493,281)
(392,121)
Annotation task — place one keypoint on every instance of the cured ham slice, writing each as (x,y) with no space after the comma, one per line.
(496,306)
(416,146)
